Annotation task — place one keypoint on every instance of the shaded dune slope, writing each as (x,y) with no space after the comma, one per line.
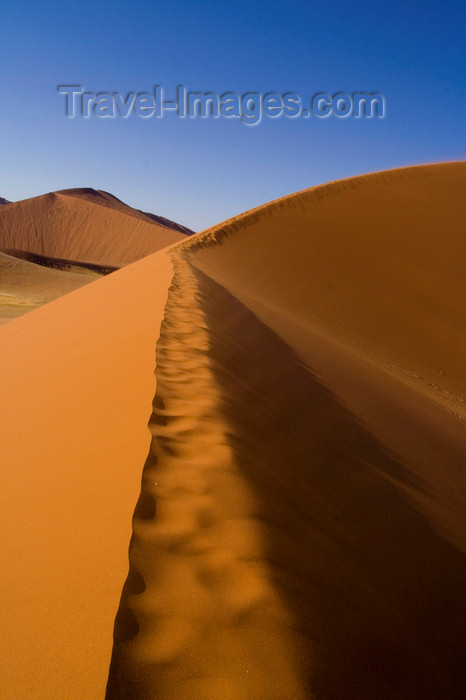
(376,592)
(305,483)
(73,227)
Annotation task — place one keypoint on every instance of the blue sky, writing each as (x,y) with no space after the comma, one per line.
(200,172)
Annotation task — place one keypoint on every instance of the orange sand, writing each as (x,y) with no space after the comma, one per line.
(76,388)
(300,528)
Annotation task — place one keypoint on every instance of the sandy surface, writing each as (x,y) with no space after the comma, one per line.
(199,616)
(378,259)
(300,530)
(76,388)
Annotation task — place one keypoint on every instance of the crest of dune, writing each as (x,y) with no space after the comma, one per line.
(291,487)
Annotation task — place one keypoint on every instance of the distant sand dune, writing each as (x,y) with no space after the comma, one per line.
(300,527)
(106,199)
(64,225)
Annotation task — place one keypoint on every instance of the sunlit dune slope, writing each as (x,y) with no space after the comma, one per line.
(300,531)
(24,285)
(77,382)
(106,199)
(78,228)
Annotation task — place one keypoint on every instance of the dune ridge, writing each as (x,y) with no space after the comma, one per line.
(378,252)
(384,348)
(356,473)
(300,529)
(202,619)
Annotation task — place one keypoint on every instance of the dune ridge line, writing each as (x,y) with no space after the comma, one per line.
(312,415)
(202,619)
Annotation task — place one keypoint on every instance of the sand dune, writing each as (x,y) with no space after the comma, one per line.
(3,201)
(299,531)
(74,226)
(200,619)
(377,259)
(106,199)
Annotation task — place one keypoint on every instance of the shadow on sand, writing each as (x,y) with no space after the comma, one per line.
(377,595)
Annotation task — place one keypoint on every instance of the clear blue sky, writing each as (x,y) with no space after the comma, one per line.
(200,172)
